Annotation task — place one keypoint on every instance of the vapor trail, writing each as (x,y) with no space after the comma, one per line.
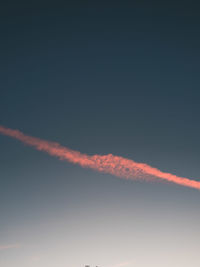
(118,166)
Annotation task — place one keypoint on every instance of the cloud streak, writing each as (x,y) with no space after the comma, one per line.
(4,247)
(115,165)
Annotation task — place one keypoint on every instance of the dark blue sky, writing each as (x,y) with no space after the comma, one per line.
(114,78)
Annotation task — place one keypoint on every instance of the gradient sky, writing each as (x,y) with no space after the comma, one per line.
(120,79)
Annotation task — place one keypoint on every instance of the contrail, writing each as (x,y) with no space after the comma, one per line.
(118,166)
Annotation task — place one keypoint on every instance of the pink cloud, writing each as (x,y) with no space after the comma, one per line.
(10,246)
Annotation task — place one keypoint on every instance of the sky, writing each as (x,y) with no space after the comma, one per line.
(99,78)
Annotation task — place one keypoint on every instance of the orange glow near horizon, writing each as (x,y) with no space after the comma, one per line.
(115,165)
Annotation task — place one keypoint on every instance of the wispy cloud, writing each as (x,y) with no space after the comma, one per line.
(35,259)
(10,246)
